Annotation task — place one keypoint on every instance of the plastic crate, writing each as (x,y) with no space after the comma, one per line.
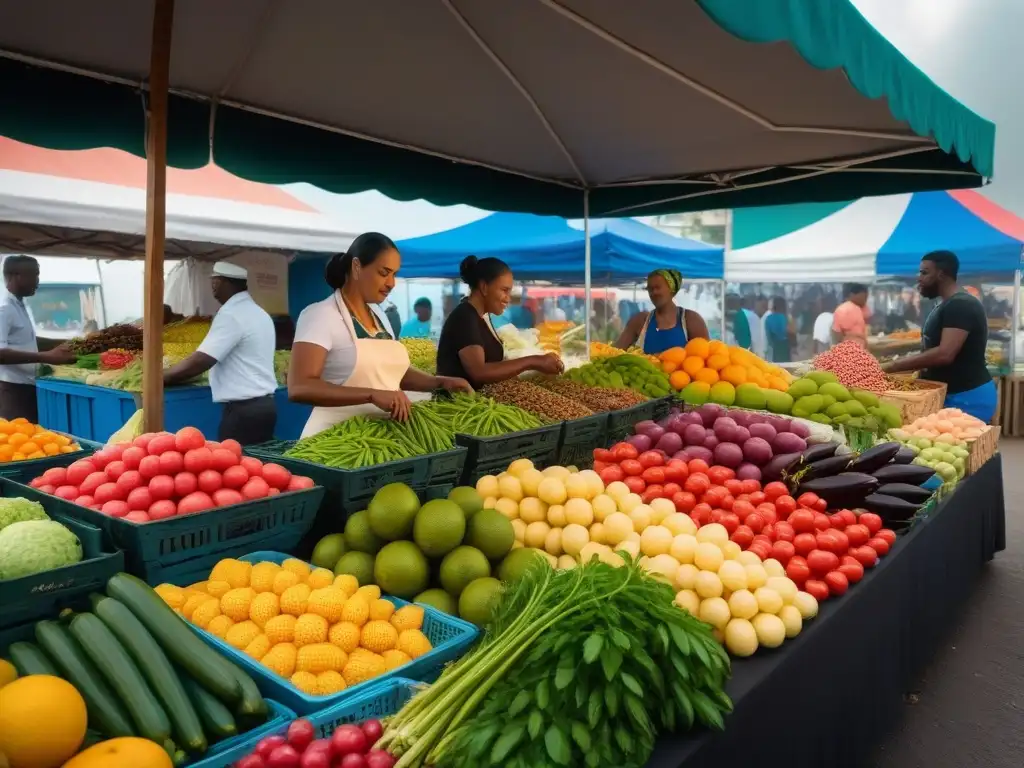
(34,597)
(158,551)
(662,406)
(449,635)
(620,423)
(540,445)
(375,704)
(28,470)
(579,439)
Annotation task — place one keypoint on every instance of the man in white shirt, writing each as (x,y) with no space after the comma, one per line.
(239,353)
(19,348)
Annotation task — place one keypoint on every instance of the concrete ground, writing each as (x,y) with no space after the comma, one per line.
(968,708)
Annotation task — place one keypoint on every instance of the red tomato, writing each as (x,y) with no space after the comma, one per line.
(697,483)
(114,508)
(143,441)
(751,486)
(80,470)
(684,501)
(718,475)
(632,467)
(798,570)
(783,530)
(195,502)
(610,474)
(881,546)
(160,444)
(852,570)
(235,477)
(768,530)
(731,521)
(256,488)
(762,549)
(622,451)
(652,475)
(67,492)
(298,483)
(115,469)
(734,486)
(676,471)
(872,521)
(600,454)
(210,481)
(635,484)
(90,484)
(805,543)
(149,467)
(837,521)
(697,465)
(188,439)
(753,521)
(821,521)
(757,498)
(767,510)
(848,516)
(109,492)
(161,510)
(802,520)
(222,458)
(743,536)
(728,502)
(128,482)
(671,489)
(837,583)
(599,466)
(140,499)
(821,562)
(783,551)
(132,457)
(46,488)
(163,487)
(717,515)
(807,500)
(101,458)
(743,496)
(651,459)
(701,515)
(865,555)
(785,505)
(59,475)
(817,589)
(774,490)
(743,509)
(198,460)
(714,495)
(651,493)
(888,535)
(842,542)
(85,501)
(857,534)
(225,497)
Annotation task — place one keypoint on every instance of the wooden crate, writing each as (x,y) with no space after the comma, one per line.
(982,449)
(1010,415)
(928,397)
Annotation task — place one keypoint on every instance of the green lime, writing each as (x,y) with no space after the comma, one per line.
(469,501)
(491,532)
(401,569)
(392,511)
(479,600)
(516,562)
(358,564)
(439,527)
(461,566)
(439,599)
(329,550)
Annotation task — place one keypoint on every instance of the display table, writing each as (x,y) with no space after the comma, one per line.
(828,697)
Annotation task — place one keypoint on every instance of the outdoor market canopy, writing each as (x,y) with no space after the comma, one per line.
(873,237)
(552,249)
(650,105)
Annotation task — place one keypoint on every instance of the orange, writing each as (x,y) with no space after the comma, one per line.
(717,362)
(28,447)
(129,752)
(3,438)
(18,456)
(717,347)
(51,449)
(754,376)
(679,379)
(699,348)
(668,367)
(693,364)
(6,452)
(17,440)
(25,429)
(707,375)
(674,355)
(734,374)
(63,440)
(19,421)
(42,721)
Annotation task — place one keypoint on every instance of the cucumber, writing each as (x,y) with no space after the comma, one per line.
(114,663)
(180,643)
(252,707)
(217,719)
(29,659)
(153,663)
(105,712)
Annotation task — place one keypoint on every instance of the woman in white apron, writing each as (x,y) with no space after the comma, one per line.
(344,360)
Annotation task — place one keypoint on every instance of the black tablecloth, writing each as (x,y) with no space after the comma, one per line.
(827,698)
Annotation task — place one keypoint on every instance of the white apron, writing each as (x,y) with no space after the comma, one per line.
(380,364)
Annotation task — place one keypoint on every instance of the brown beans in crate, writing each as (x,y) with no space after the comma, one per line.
(598,399)
(546,404)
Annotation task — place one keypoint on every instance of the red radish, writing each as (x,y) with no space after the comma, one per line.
(225,497)
(352,761)
(188,439)
(198,460)
(129,481)
(210,481)
(149,467)
(222,458)
(171,463)
(284,756)
(55,476)
(265,746)
(300,734)
(133,457)
(195,502)
(349,739)
(373,730)
(184,484)
(115,469)
(232,445)
(235,477)
(276,476)
(114,508)
(378,758)
(109,492)
(68,492)
(137,516)
(161,510)
(80,470)
(299,483)
(140,499)
(256,488)
(252,465)
(85,501)
(163,487)
(160,445)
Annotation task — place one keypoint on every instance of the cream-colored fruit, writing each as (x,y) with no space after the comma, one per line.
(617,527)
(688,600)
(655,540)
(560,472)
(768,600)
(806,604)
(708,584)
(714,533)
(714,611)
(487,486)
(595,485)
(664,566)
(683,547)
(576,487)
(591,550)
(603,505)
(507,507)
(519,529)
(490,502)
(556,516)
(552,491)
(686,576)
(510,488)
(631,548)
(579,511)
(536,535)
(748,558)
(679,524)
(574,539)
(733,575)
(519,466)
(731,550)
(617,490)
(773,567)
(530,480)
(660,509)
(771,632)
(597,533)
(552,560)
(708,557)
(743,604)
(517,545)
(756,576)
(553,542)
(629,502)
(634,536)
(791,620)
(565,562)
(641,517)
(740,638)
(784,586)
(532,510)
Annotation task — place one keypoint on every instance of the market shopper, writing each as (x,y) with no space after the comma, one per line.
(954,338)
(418,326)
(238,352)
(345,360)
(850,320)
(19,347)
(672,325)
(780,332)
(469,347)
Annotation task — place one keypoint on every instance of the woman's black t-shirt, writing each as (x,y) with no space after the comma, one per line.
(465,328)
(968,370)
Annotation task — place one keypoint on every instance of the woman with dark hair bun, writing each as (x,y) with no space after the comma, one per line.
(469,348)
(344,359)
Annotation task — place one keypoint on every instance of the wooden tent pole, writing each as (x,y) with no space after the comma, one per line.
(156,216)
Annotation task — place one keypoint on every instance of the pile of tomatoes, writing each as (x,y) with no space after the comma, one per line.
(649,474)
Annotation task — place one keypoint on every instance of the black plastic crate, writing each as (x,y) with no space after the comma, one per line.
(579,439)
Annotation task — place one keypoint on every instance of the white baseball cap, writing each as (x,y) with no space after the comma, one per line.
(229,270)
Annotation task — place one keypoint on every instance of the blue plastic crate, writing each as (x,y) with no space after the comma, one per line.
(225,753)
(450,636)
(34,597)
(579,439)
(161,550)
(28,470)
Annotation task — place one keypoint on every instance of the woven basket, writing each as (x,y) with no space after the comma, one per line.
(928,397)
(982,449)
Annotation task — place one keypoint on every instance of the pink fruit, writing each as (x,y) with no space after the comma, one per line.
(265,746)
(349,739)
(300,734)
(378,758)
(352,761)
(373,730)
(137,516)
(114,508)
(251,761)
(284,756)
(163,509)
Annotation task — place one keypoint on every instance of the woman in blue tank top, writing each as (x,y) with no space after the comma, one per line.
(667,326)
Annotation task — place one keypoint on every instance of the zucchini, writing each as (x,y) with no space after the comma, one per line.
(914,474)
(29,659)
(252,707)
(114,663)
(153,663)
(914,493)
(217,719)
(875,458)
(183,646)
(105,712)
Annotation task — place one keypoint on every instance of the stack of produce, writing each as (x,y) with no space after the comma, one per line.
(183,338)
(941,441)
(115,359)
(520,343)
(404,547)
(818,396)
(131,668)
(30,542)
(160,475)
(547,404)
(21,440)
(579,667)
(323,633)
(119,336)
(550,334)
(350,746)
(422,354)
(597,399)
(702,366)
(630,371)
(854,367)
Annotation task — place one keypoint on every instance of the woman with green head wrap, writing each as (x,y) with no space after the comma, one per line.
(667,326)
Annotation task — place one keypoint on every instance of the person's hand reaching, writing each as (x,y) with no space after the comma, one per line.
(394,403)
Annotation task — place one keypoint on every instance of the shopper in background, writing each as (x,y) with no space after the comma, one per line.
(850,321)
(668,325)
(954,338)
(19,347)
(780,332)
(418,326)
(238,352)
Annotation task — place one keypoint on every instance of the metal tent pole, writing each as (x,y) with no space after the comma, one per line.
(587,307)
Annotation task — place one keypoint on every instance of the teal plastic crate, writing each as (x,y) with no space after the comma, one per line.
(34,597)
(540,445)
(375,704)
(28,470)
(662,406)
(620,423)
(579,439)
(157,551)
(450,636)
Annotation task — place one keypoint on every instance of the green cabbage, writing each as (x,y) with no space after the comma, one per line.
(18,510)
(34,546)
